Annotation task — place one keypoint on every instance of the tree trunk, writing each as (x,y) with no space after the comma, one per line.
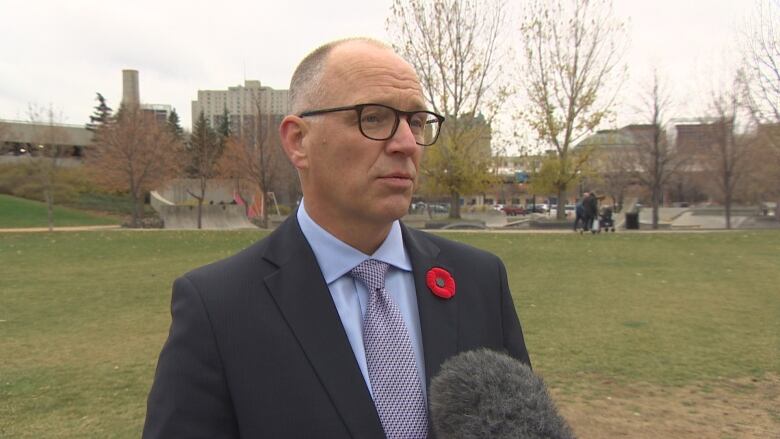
(134,204)
(454,205)
(561,210)
(140,210)
(728,210)
(264,206)
(200,202)
(655,203)
(47,195)
(134,217)
(777,210)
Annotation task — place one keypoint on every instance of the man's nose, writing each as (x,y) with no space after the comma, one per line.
(403,141)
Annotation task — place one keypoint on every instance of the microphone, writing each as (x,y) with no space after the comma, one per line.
(485,394)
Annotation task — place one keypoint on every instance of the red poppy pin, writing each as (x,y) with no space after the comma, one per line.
(440,282)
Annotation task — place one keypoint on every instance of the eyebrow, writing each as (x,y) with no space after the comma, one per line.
(416,103)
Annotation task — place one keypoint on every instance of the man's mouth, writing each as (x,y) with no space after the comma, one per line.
(398,179)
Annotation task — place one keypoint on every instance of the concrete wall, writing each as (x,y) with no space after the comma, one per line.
(217,191)
(214,216)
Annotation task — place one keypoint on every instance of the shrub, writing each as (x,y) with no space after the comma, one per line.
(21,181)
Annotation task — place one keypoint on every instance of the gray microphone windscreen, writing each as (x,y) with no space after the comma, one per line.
(485,394)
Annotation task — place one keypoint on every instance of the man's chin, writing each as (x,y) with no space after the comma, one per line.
(391,211)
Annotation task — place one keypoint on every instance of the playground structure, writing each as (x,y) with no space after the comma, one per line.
(174,203)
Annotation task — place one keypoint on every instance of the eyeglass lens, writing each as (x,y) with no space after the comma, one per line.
(379,123)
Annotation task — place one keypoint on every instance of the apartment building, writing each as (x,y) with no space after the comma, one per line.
(242,103)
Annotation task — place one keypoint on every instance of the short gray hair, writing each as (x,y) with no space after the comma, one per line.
(306,84)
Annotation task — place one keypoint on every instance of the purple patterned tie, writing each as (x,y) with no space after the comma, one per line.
(392,370)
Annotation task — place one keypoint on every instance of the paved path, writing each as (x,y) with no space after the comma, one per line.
(60,229)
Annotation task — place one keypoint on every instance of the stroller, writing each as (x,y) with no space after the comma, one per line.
(605,220)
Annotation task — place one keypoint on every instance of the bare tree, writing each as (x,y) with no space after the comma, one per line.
(231,167)
(134,153)
(614,171)
(656,159)
(255,156)
(47,154)
(265,141)
(764,167)
(725,161)
(454,45)
(204,150)
(572,55)
(761,45)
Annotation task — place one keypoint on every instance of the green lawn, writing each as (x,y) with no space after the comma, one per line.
(114,204)
(83,315)
(19,212)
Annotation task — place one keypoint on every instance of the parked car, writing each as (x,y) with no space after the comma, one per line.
(569,209)
(422,207)
(440,208)
(513,210)
(538,208)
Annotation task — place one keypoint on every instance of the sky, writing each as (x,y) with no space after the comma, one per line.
(60,53)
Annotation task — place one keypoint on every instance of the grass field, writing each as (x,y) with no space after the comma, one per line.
(115,204)
(83,316)
(19,212)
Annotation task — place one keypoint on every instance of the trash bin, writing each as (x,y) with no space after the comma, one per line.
(632,221)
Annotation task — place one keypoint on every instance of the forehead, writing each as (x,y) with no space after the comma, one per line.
(364,73)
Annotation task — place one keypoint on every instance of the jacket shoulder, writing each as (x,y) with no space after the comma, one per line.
(448,246)
(253,263)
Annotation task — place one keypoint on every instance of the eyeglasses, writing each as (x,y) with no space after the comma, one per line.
(380,122)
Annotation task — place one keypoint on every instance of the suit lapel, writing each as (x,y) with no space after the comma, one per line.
(438,317)
(304,300)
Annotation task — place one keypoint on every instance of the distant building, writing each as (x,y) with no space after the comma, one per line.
(18,138)
(131,96)
(641,132)
(688,137)
(626,137)
(693,138)
(242,103)
(690,140)
(160,111)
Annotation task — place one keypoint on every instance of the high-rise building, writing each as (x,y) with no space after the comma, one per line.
(242,103)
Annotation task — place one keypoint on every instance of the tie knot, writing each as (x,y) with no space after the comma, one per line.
(372,273)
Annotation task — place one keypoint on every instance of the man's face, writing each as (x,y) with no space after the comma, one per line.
(349,178)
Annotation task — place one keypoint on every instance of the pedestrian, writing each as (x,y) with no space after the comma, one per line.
(591,206)
(579,212)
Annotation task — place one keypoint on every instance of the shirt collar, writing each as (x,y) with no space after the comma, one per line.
(336,258)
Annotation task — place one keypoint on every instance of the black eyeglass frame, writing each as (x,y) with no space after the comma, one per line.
(398,113)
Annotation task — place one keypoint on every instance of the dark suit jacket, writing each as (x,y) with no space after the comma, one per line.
(256,348)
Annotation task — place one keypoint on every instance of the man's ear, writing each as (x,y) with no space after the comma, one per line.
(292,131)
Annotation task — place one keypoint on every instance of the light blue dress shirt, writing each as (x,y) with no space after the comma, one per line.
(336,259)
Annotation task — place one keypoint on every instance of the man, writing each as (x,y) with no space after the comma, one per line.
(579,212)
(303,335)
(591,205)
